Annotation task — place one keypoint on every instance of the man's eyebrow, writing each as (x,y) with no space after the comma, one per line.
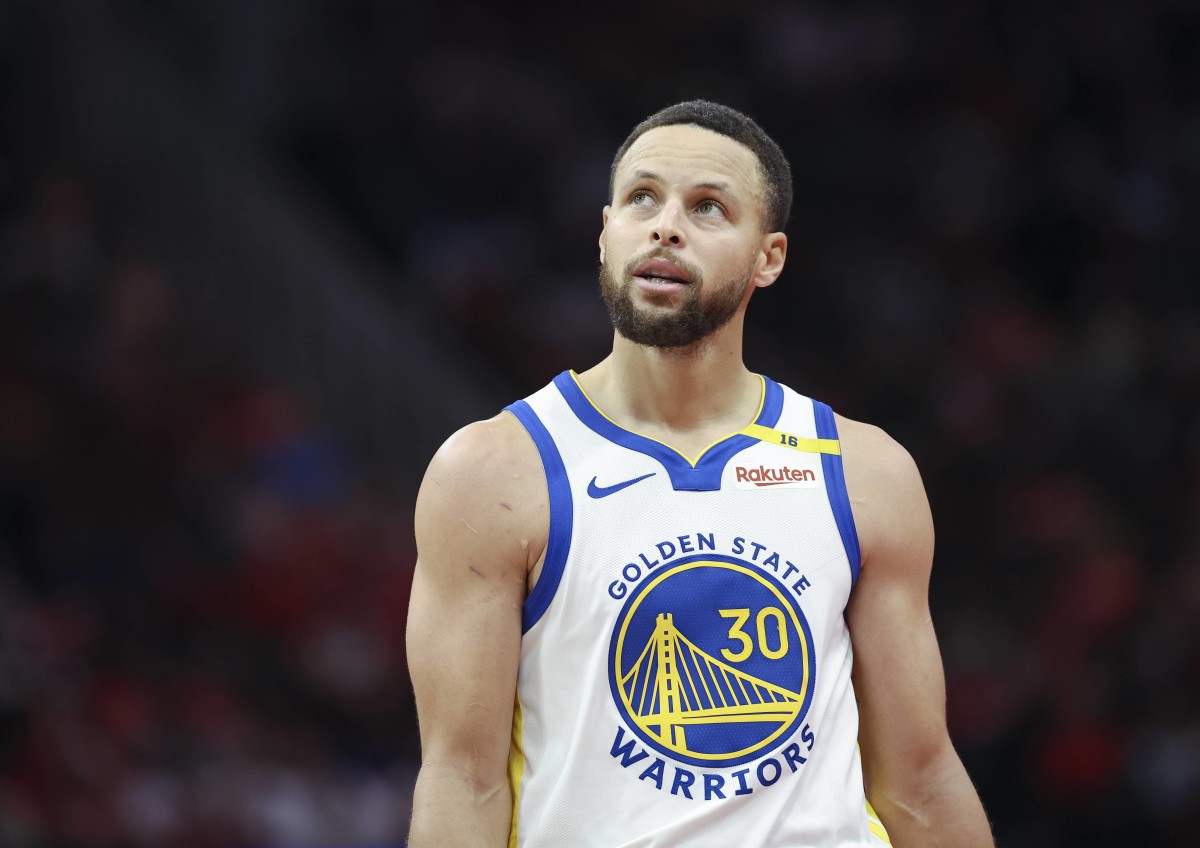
(639,176)
(650,176)
(720,188)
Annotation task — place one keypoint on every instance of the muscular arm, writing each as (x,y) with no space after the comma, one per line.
(914,779)
(480,525)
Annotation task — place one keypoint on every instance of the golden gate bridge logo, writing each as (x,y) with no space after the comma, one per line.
(745,684)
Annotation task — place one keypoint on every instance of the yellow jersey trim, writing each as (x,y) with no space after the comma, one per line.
(787,440)
(516,770)
(876,824)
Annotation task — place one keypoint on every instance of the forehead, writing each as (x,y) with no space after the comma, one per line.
(687,154)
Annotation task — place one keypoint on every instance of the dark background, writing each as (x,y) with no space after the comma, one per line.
(259,257)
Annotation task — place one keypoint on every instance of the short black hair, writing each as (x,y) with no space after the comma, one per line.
(773,165)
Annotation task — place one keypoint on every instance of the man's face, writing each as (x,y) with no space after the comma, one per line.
(683,237)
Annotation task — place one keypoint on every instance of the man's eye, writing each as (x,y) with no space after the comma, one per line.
(709,207)
(641,198)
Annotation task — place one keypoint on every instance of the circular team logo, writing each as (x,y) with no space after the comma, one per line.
(712,661)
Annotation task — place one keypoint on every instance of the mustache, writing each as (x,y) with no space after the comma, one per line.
(693,273)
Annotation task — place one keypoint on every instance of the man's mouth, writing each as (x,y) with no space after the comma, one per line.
(661,272)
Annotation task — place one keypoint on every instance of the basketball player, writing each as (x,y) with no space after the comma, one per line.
(667,601)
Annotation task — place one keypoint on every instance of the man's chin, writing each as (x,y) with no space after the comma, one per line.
(665,335)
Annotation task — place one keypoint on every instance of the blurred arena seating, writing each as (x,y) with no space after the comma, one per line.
(258,259)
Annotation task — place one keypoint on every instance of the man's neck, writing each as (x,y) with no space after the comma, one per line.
(687,398)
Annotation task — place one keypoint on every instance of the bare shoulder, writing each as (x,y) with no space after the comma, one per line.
(886,493)
(485,488)
(874,459)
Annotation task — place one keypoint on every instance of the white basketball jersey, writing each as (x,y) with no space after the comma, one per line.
(685,662)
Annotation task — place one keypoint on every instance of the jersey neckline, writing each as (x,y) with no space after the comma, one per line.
(701,475)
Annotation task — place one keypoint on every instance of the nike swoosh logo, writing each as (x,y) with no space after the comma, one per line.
(604,491)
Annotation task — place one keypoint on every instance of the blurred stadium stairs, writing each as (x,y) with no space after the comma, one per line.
(258,260)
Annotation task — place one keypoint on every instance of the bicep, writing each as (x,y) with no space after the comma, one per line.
(463,646)
(464,624)
(898,680)
(898,677)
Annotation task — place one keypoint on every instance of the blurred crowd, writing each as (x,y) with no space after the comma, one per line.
(995,255)
(202,607)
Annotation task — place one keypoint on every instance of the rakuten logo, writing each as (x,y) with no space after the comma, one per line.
(762,476)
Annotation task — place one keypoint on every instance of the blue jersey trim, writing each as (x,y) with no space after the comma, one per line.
(561,516)
(705,475)
(835,485)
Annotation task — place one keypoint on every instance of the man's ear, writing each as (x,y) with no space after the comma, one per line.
(772,255)
(603,229)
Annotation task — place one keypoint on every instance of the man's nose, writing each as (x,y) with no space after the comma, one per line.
(668,228)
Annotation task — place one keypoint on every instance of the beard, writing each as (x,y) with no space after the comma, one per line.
(692,321)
